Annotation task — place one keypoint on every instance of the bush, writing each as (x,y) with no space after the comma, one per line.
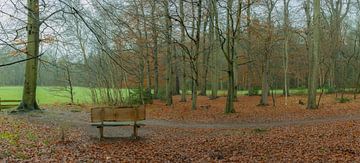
(300,91)
(343,100)
(135,98)
(331,90)
(254,91)
(161,94)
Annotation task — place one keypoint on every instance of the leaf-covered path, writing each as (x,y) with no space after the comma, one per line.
(81,119)
(37,137)
(77,117)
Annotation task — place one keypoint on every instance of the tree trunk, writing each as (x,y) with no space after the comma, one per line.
(314,58)
(249,49)
(155,49)
(230,50)
(169,100)
(33,28)
(183,55)
(214,55)
(69,81)
(229,108)
(286,48)
(147,53)
(205,60)
(265,84)
(266,57)
(195,65)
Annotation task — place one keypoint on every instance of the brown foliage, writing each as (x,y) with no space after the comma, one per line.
(23,138)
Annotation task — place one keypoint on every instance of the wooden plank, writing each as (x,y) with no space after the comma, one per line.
(141,113)
(2,101)
(117,124)
(8,105)
(114,114)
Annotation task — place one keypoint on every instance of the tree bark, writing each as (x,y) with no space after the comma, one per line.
(286,48)
(313,72)
(214,55)
(183,55)
(266,57)
(249,49)
(155,49)
(205,59)
(169,100)
(230,56)
(33,29)
(195,66)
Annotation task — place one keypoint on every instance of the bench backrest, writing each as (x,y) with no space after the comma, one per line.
(3,101)
(8,103)
(117,114)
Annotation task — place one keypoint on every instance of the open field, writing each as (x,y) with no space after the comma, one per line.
(47,95)
(52,95)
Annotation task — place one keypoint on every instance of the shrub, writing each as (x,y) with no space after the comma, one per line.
(253,91)
(331,90)
(300,91)
(161,94)
(343,100)
(260,130)
(135,97)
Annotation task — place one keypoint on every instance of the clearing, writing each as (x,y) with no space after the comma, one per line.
(279,133)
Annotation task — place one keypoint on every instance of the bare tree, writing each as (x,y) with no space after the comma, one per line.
(32,50)
(313,72)
(286,48)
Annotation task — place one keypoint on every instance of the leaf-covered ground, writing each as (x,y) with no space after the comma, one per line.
(248,111)
(37,137)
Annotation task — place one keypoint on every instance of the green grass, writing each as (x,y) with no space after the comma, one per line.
(47,95)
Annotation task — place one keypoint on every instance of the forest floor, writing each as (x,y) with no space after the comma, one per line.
(178,134)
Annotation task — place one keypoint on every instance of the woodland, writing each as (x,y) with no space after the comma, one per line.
(218,80)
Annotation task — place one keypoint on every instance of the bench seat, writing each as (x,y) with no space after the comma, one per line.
(114,124)
(117,116)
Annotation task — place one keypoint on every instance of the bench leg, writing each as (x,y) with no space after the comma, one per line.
(135,131)
(101,131)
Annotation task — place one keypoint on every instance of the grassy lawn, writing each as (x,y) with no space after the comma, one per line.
(47,95)
(51,95)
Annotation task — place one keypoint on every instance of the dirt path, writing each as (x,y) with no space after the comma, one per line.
(81,119)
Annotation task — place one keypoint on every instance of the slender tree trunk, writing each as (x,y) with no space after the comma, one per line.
(249,49)
(32,50)
(195,66)
(286,48)
(205,60)
(230,97)
(313,72)
(169,100)
(214,58)
(70,84)
(142,57)
(266,58)
(155,49)
(175,71)
(265,84)
(183,55)
(230,56)
(147,53)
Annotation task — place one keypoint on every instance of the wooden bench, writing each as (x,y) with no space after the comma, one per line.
(118,116)
(8,103)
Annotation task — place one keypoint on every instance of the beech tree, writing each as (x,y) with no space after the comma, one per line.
(313,71)
(32,51)
(270,6)
(169,55)
(286,48)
